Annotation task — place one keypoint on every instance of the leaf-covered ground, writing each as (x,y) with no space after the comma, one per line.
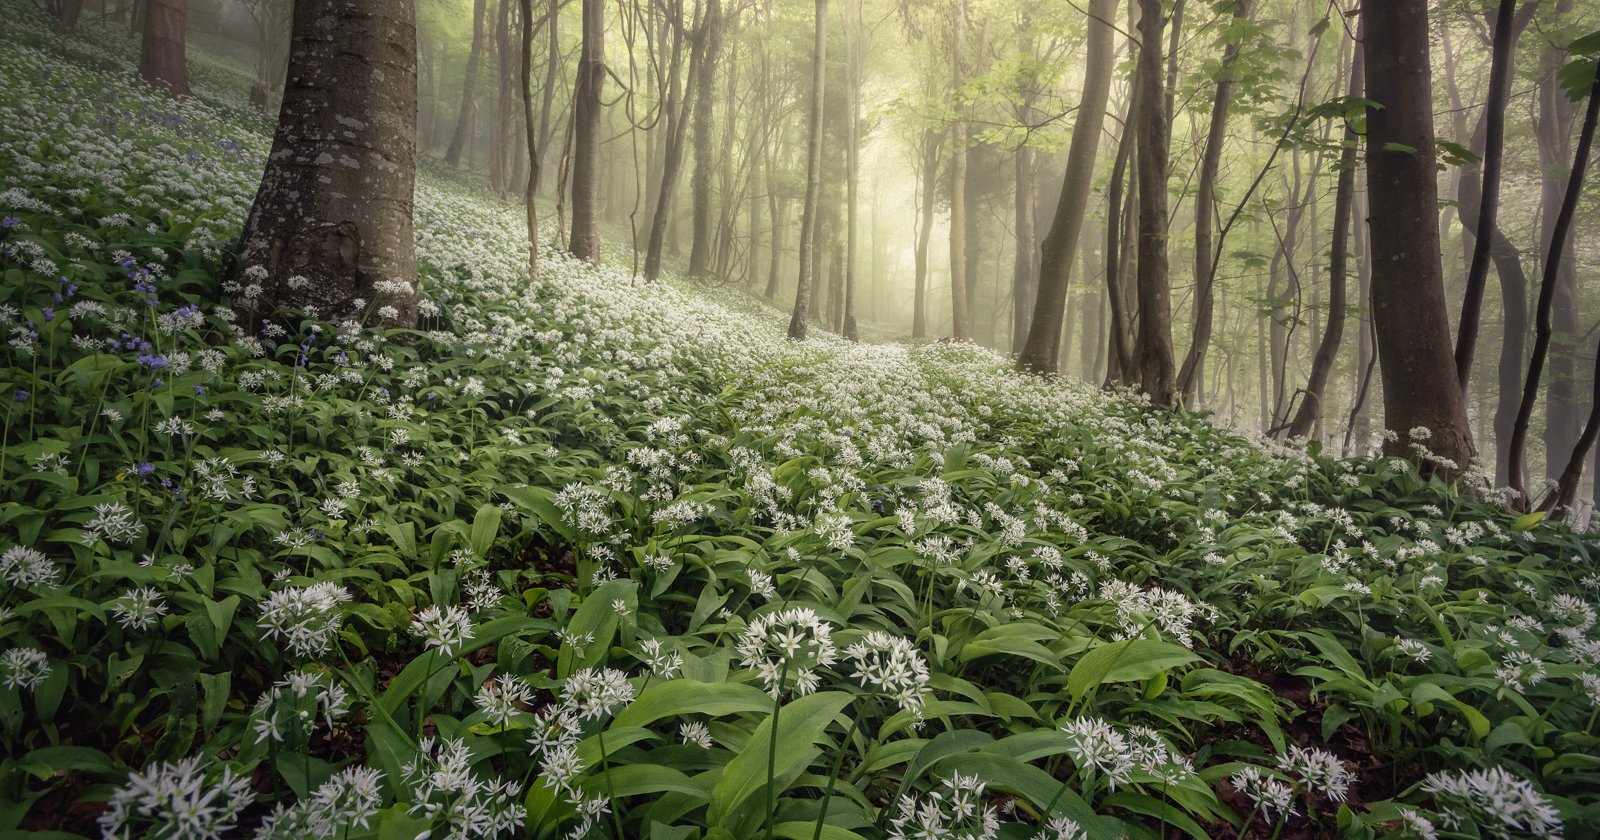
(587,555)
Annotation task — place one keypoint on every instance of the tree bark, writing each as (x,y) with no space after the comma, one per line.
(534,163)
(1311,406)
(1561,231)
(676,128)
(808,214)
(960,317)
(330,230)
(1119,368)
(1043,344)
(161,58)
(855,67)
(1419,385)
(585,242)
(1205,211)
(468,111)
(710,33)
(1494,115)
(1157,377)
(928,186)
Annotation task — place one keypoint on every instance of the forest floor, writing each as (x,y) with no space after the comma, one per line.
(581,551)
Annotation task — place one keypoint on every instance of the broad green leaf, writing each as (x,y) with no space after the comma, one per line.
(1126,661)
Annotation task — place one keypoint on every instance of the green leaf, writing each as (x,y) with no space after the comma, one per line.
(1527,521)
(801,724)
(485,525)
(686,697)
(1126,661)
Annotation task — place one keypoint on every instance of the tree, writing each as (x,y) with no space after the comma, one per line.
(710,33)
(674,112)
(1205,210)
(535,164)
(1157,377)
(1043,347)
(927,186)
(585,242)
(1312,405)
(468,110)
(161,58)
(960,317)
(1420,392)
(808,214)
(330,230)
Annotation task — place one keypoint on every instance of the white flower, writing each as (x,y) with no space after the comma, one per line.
(350,799)
(176,801)
(660,663)
(893,666)
(139,609)
(596,693)
(786,647)
(954,811)
(1495,801)
(501,700)
(1060,828)
(445,629)
(25,568)
(306,618)
(1321,770)
(24,667)
(696,733)
(1271,796)
(445,792)
(292,706)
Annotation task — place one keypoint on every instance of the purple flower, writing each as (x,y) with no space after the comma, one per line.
(22,395)
(10,222)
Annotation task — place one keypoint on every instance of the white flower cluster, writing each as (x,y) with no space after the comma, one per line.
(953,811)
(446,629)
(182,800)
(307,618)
(893,666)
(1140,753)
(348,800)
(786,648)
(445,791)
(1494,801)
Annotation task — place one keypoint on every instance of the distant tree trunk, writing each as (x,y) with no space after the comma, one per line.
(852,156)
(1419,385)
(1560,233)
(1507,259)
(468,111)
(960,318)
(676,127)
(1205,211)
(808,213)
(1042,346)
(552,69)
(531,207)
(585,243)
(161,59)
(1553,132)
(1157,377)
(710,33)
(928,187)
(71,10)
(499,164)
(1312,405)
(1119,368)
(331,224)
(1494,114)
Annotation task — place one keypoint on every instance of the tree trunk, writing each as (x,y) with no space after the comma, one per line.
(161,58)
(960,318)
(928,186)
(1042,347)
(808,213)
(1157,377)
(1553,130)
(1560,235)
(1419,385)
(852,155)
(710,33)
(1494,115)
(1205,211)
(1119,368)
(499,165)
(674,113)
(468,111)
(330,229)
(531,207)
(1312,405)
(71,10)
(585,243)
(552,70)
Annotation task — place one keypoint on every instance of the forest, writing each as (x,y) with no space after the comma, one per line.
(829,420)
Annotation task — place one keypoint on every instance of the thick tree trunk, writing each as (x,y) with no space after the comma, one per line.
(468,111)
(71,10)
(585,243)
(1024,274)
(808,213)
(710,34)
(1119,368)
(1553,130)
(552,69)
(1419,385)
(1157,377)
(852,155)
(1205,211)
(330,229)
(1312,406)
(499,164)
(1042,347)
(161,58)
